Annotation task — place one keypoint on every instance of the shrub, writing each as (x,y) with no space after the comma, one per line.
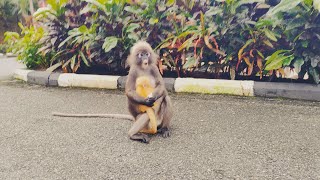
(219,38)
(26,47)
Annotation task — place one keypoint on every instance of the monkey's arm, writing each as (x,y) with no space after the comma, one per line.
(160,89)
(132,94)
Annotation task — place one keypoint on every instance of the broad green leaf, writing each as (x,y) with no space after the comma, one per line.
(41,12)
(84,59)
(296,22)
(315,74)
(73,61)
(88,8)
(284,5)
(315,61)
(185,34)
(170,2)
(133,36)
(235,4)
(297,64)
(316,4)
(133,9)
(241,2)
(165,45)
(83,29)
(213,11)
(243,47)
(260,54)
(270,35)
(69,38)
(202,23)
(132,27)
(297,37)
(11,35)
(153,21)
(161,7)
(308,2)
(109,43)
(276,63)
(66,63)
(268,43)
(191,60)
(100,4)
(305,43)
(263,22)
(54,67)
(186,44)
(275,56)
(287,60)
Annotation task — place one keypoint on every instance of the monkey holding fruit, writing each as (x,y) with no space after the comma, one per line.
(142,61)
(148,101)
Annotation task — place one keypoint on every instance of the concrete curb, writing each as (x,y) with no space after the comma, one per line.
(89,81)
(21,74)
(38,77)
(214,86)
(180,85)
(287,90)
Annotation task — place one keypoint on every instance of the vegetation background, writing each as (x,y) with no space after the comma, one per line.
(234,39)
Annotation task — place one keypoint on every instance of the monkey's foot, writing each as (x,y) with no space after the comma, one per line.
(144,138)
(164,132)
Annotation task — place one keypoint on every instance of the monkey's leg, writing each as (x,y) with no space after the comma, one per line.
(152,128)
(166,110)
(139,124)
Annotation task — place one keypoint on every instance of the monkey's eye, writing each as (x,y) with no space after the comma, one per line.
(139,55)
(148,54)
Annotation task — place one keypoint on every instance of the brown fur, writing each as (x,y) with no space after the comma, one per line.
(164,109)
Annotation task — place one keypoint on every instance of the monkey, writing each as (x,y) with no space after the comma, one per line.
(144,89)
(142,62)
(143,73)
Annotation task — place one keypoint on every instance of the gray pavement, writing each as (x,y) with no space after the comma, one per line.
(7,67)
(213,137)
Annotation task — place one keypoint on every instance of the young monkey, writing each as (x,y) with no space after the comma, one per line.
(144,89)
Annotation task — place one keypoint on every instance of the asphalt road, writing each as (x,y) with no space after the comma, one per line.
(7,67)
(213,137)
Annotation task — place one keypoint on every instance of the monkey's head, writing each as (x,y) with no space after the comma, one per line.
(141,54)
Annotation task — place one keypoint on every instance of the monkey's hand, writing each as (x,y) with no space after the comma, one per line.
(149,101)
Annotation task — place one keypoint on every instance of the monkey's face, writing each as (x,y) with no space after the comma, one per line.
(143,59)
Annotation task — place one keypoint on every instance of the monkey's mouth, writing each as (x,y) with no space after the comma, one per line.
(145,63)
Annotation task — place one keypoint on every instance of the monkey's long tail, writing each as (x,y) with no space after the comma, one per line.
(117,116)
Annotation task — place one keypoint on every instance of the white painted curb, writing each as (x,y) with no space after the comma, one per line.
(21,74)
(214,86)
(89,81)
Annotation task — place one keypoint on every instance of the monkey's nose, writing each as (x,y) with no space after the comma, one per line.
(145,62)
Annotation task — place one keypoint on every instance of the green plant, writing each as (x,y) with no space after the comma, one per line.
(208,34)
(245,39)
(61,20)
(26,47)
(76,48)
(3,48)
(299,21)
